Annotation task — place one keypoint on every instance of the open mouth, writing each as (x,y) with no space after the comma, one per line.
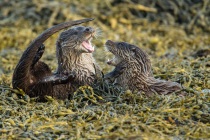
(87,44)
(111,62)
(108,46)
(114,61)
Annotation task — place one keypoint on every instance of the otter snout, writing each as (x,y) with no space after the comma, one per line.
(109,43)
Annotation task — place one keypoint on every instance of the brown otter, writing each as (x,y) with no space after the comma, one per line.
(133,70)
(76,65)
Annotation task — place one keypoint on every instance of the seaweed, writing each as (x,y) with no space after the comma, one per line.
(175,34)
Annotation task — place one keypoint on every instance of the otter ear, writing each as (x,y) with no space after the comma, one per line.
(133,50)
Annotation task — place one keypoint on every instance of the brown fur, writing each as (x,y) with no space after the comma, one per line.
(135,70)
(76,65)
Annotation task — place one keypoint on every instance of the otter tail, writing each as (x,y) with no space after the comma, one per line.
(21,73)
(163,87)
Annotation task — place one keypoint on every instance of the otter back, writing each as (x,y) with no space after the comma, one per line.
(133,70)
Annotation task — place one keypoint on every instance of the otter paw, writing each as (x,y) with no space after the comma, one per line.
(66,76)
(38,55)
(72,76)
(40,51)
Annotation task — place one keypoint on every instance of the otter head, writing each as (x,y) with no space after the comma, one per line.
(77,39)
(130,56)
(122,52)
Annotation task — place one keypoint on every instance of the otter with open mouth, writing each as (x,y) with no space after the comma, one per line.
(74,53)
(76,65)
(133,70)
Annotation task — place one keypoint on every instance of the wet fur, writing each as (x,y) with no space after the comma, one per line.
(74,69)
(134,71)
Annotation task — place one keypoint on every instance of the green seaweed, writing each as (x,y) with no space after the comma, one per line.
(171,32)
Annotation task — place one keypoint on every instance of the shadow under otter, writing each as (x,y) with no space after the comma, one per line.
(76,65)
(133,70)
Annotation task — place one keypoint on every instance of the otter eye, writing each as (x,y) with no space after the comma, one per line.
(121,44)
(87,29)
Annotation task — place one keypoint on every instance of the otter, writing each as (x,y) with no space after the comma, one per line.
(76,66)
(133,70)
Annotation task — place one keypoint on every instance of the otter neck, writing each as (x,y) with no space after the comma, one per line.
(72,60)
(80,63)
